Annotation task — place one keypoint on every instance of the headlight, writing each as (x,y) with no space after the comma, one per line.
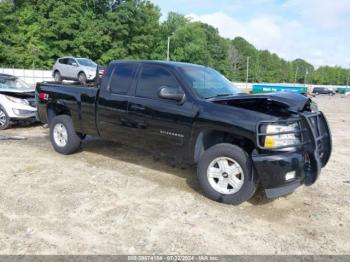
(313,107)
(17,100)
(281,137)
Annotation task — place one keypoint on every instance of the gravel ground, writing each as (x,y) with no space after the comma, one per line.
(110,199)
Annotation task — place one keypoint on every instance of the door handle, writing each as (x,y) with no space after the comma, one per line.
(137,107)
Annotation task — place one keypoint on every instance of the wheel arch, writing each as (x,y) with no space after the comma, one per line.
(3,103)
(81,71)
(209,138)
(56,71)
(54,109)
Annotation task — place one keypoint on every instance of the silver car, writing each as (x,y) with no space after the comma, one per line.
(76,69)
(17,102)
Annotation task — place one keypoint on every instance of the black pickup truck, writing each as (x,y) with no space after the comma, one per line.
(192,113)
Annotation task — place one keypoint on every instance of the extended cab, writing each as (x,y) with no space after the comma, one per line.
(193,113)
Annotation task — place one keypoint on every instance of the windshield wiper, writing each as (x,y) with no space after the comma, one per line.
(219,95)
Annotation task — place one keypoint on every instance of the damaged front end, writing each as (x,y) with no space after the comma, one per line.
(292,149)
(284,168)
(19,105)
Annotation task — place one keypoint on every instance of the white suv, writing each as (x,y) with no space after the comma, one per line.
(77,69)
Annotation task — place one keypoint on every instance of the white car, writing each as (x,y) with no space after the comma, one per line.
(17,101)
(76,69)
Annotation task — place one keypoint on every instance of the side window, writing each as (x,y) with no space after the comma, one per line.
(122,77)
(152,78)
(71,61)
(63,61)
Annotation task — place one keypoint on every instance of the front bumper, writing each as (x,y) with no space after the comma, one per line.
(18,111)
(90,76)
(280,173)
(273,171)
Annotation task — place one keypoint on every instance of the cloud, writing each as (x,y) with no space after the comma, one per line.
(326,14)
(289,38)
(315,30)
(262,31)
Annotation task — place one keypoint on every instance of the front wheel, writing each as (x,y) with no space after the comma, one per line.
(82,78)
(225,174)
(4,119)
(63,137)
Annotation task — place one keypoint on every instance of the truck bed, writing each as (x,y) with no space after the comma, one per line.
(72,83)
(79,100)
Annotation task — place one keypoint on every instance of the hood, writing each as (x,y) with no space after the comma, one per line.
(89,68)
(282,103)
(20,93)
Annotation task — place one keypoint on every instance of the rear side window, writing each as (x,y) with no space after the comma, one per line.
(152,78)
(121,79)
(63,61)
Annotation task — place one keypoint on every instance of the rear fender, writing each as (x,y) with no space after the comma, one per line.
(54,109)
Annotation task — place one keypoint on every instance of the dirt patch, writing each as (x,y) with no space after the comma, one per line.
(110,199)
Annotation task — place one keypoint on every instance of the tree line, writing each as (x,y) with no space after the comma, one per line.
(34,33)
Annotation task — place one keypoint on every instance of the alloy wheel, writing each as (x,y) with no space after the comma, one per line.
(225,175)
(60,135)
(3,118)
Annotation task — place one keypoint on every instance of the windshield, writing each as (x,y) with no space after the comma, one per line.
(86,62)
(13,83)
(208,83)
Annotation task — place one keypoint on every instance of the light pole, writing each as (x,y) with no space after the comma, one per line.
(306,73)
(296,74)
(347,79)
(247,76)
(168,49)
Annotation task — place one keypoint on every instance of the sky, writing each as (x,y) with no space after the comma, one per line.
(315,30)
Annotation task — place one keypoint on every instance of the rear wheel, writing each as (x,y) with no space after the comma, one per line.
(4,119)
(225,174)
(82,78)
(63,137)
(57,76)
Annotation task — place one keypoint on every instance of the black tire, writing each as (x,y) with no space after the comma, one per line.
(57,76)
(73,140)
(248,188)
(82,78)
(5,120)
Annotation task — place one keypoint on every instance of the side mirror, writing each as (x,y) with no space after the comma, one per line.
(171,93)
(74,64)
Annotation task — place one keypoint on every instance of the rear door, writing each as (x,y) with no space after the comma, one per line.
(63,67)
(159,125)
(113,100)
(73,68)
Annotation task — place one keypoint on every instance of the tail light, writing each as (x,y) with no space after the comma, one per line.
(43,96)
(101,74)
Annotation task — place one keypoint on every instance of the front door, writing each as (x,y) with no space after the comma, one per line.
(160,125)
